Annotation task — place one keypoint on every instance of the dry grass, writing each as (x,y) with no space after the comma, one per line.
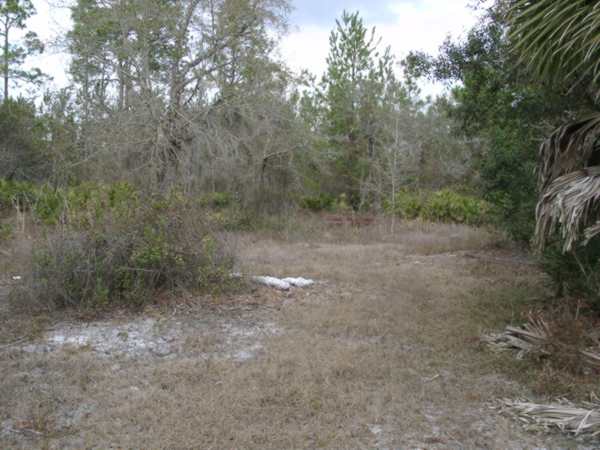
(383,352)
(417,235)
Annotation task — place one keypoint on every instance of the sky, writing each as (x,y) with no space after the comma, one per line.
(404,25)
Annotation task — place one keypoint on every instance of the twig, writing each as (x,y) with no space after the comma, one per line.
(430,379)
(28,430)
(10,344)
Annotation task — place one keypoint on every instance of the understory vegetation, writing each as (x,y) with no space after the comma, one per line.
(127,256)
(445,205)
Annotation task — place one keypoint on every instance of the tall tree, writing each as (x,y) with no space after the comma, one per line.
(22,141)
(165,60)
(13,16)
(359,82)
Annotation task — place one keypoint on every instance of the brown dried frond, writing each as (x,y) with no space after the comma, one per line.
(569,184)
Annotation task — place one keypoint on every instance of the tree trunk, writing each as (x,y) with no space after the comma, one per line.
(6,58)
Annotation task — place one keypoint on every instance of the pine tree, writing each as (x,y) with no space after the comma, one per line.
(359,85)
(13,15)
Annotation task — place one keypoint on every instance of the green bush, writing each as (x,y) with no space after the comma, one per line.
(316,203)
(217,200)
(6,231)
(127,259)
(82,204)
(507,176)
(87,204)
(48,205)
(576,273)
(24,141)
(448,206)
(441,206)
(406,204)
(15,192)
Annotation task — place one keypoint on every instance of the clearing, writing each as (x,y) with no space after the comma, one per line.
(382,352)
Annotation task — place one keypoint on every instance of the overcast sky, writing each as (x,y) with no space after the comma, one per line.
(402,24)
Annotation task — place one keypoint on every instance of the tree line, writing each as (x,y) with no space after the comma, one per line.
(193,93)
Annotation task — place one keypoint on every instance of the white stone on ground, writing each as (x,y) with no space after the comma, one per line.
(272,282)
(299,282)
(283,284)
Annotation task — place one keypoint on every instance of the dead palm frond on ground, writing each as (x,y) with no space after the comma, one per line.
(562,415)
(560,41)
(536,337)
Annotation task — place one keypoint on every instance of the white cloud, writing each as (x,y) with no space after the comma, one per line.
(51,23)
(306,49)
(425,25)
(421,25)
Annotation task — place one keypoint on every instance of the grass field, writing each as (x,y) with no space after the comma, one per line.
(382,352)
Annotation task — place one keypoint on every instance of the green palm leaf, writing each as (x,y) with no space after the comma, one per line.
(559,39)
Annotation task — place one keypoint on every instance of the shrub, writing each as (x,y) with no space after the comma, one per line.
(576,273)
(48,205)
(217,200)
(82,204)
(87,204)
(448,206)
(407,205)
(441,206)
(127,259)
(321,202)
(6,231)
(15,192)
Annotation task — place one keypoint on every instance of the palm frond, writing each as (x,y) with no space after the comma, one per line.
(559,39)
(569,148)
(533,338)
(569,205)
(561,415)
(570,191)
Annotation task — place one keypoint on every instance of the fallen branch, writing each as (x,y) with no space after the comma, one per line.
(13,343)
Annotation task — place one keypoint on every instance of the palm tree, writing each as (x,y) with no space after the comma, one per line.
(560,41)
